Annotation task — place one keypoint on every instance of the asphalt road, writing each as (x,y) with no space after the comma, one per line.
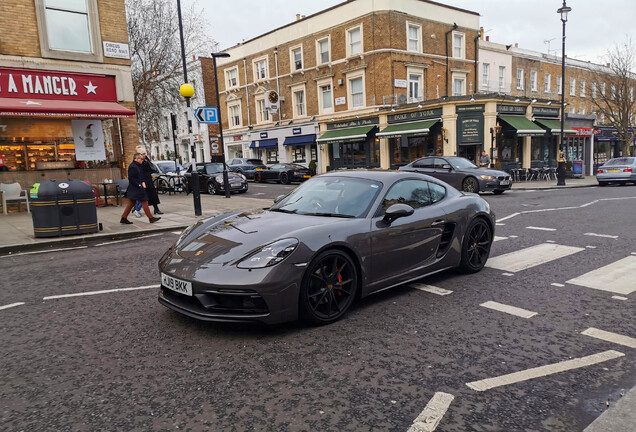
(121,361)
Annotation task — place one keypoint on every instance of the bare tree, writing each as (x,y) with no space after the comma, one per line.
(157,69)
(615,100)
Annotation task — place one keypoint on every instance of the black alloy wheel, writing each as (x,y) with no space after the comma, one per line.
(284,178)
(470,184)
(212,190)
(328,288)
(476,246)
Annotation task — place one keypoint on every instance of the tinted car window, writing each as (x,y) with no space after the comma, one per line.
(213,168)
(415,193)
(423,163)
(439,163)
(254,162)
(437,192)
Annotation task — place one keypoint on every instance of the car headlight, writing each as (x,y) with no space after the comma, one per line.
(219,179)
(487,177)
(242,176)
(269,255)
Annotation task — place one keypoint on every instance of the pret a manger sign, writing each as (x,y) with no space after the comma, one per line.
(40,84)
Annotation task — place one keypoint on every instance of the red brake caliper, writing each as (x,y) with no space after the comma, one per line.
(339,280)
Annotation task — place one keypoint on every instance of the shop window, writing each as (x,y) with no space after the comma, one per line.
(271,156)
(299,153)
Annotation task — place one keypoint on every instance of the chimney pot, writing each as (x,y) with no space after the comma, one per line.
(487,38)
(516,45)
(302,16)
(297,17)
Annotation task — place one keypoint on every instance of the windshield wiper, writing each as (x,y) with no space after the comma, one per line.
(340,215)
(282,210)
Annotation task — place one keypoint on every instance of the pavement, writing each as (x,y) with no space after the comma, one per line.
(16,235)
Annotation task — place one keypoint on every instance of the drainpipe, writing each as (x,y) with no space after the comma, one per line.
(476,89)
(277,82)
(446,40)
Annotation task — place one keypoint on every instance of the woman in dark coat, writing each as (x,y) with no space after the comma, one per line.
(148,170)
(136,191)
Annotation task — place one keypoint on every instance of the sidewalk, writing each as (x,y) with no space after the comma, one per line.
(16,228)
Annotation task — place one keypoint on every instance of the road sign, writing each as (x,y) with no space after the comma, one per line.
(209,115)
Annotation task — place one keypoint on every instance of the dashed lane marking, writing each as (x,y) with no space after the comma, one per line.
(550,241)
(512,310)
(435,409)
(557,285)
(497,238)
(513,236)
(620,298)
(128,239)
(540,228)
(10,305)
(430,288)
(99,292)
(508,217)
(610,337)
(617,277)
(507,274)
(541,371)
(176,232)
(529,257)
(601,235)
(44,251)
(591,247)
(500,224)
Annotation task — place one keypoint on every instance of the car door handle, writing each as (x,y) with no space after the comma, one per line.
(438,222)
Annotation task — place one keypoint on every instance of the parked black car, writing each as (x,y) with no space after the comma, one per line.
(462,174)
(211,179)
(284,173)
(246,166)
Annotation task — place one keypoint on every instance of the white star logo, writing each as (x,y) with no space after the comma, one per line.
(90,88)
(30,102)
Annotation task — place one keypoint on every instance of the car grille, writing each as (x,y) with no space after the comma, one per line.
(503,178)
(243,303)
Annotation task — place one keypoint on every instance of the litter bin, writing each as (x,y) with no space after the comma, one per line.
(63,207)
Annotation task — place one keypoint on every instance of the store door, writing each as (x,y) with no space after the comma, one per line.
(469,152)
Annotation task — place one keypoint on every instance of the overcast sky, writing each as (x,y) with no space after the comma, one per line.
(593,26)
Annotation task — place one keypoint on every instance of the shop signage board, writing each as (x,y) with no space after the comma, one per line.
(354,123)
(414,116)
(470,124)
(511,109)
(88,137)
(545,112)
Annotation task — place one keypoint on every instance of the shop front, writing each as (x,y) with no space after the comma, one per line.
(352,144)
(53,123)
(265,149)
(287,144)
(413,135)
(517,132)
(470,131)
(607,145)
(544,149)
(302,149)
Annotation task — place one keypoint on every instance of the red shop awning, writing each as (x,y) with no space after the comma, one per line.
(17,107)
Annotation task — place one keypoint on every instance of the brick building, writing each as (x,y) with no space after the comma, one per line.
(66,98)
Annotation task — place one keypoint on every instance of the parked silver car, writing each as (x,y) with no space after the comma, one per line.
(620,170)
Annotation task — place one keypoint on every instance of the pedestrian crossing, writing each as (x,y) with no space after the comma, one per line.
(530,257)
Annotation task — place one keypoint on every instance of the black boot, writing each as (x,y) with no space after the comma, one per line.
(124,221)
(157,211)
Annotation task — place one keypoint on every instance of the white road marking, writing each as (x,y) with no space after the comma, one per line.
(529,257)
(176,232)
(610,337)
(620,298)
(507,274)
(617,277)
(601,235)
(99,292)
(435,409)
(11,305)
(508,217)
(540,228)
(512,310)
(633,253)
(589,204)
(500,224)
(550,241)
(44,251)
(497,238)
(513,236)
(557,285)
(541,371)
(430,288)
(125,240)
(591,247)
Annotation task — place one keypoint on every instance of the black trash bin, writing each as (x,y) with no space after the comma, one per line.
(63,207)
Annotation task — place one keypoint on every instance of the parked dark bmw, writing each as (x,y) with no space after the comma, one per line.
(335,238)
(284,173)
(462,174)
(211,179)
(246,166)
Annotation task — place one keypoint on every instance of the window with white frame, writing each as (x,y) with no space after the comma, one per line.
(323,50)
(547,83)
(519,79)
(415,79)
(572,86)
(234,114)
(613,92)
(559,84)
(533,81)
(602,118)
(354,39)
(296,58)
(485,75)
(593,89)
(231,77)
(69,29)
(459,46)
(260,69)
(414,37)
(298,96)
(262,114)
(502,77)
(356,91)
(459,84)
(603,89)
(582,111)
(325,97)
(582,88)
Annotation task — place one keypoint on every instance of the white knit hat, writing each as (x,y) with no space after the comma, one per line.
(140,149)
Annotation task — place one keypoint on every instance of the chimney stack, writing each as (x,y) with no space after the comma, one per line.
(516,45)
(481,33)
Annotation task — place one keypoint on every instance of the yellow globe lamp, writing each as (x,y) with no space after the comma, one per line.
(186,90)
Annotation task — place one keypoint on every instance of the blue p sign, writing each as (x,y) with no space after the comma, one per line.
(209,115)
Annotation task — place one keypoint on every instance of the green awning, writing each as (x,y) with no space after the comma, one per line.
(407,129)
(523,126)
(345,135)
(554,126)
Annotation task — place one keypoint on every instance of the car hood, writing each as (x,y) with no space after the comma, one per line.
(486,172)
(231,237)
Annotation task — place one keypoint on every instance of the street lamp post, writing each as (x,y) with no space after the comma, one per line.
(563,11)
(493,136)
(226,181)
(187,91)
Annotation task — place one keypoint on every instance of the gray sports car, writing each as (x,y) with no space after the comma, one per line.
(462,174)
(337,237)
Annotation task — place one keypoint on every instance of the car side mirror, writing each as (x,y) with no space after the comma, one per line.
(446,167)
(278,198)
(397,211)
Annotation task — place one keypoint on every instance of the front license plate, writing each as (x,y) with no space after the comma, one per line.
(504,182)
(306,176)
(613,170)
(258,169)
(177,285)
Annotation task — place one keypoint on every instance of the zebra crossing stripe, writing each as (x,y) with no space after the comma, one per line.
(430,288)
(435,409)
(617,277)
(610,337)
(512,310)
(529,257)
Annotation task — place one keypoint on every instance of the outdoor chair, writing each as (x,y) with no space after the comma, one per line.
(14,192)
(122,187)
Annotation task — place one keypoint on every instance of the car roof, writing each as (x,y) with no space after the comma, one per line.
(378,175)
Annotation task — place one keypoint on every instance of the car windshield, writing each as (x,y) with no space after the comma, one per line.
(620,161)
(461,163)
(167,167)
(331,196)
(254,162)
(213,168)
(295,166)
